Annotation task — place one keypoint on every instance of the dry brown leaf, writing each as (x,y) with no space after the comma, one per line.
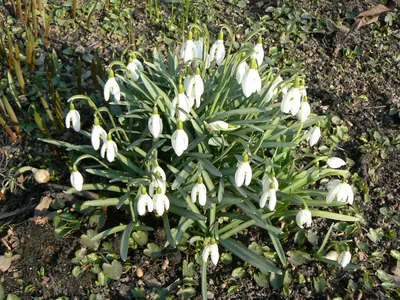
(42,207)
(370,15)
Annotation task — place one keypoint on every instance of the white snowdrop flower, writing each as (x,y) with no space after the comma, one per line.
(144,202)
(135,67)
(273,90)
(110,147)
(244,172)
(332,255)
(179,140)
(213,250)
(155,123)
(181,102)
(73,118)
(344,258)
(188,49)
(313,135)
(161,202)
(241,70)
(194,88)
(251,82)
(292,100)
(159,171)
(98,134)
(217,50)
(259,51)
(303,218)
(76,179)
(270,186)
(218,126)
(335,162)
(199,43)
(199,191)
(341,191)
(304,110)
(112,87)
(157,183)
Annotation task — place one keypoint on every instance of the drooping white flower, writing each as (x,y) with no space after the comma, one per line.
(199,43)
(213,250)
(156,183)
(135,67)
(181,102)
(155,123)
(143,202)
(199,190)
(241,70)
(292,100)
(98,133)
(335,162)
(270,186)
(304,218)
(73,117)
(332,255)
(161,202)
(313,135)
(157,170)
(344,258)
(244,172)
(194,88)
(217,50)
(218,126)
(304,110)
(76,179)
(273,89)
(112,87)
(251,82)
(259,51)
(341,191)
(188,49)
(110,147)
(179,140)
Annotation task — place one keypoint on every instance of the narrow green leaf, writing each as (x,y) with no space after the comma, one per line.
(186,171)
(168,231)
(210,168)
(107,232)
(184,212)
(125,241)
(249,256)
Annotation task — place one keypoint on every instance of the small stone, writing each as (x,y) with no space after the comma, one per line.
(223,285)
(210,295)
(140,282)
(5,263)
(139,272)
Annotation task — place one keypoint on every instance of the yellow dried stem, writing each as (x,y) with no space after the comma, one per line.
(7,128)
(47,29)
(12,116)
(74,4)
(34,19)
(57,108)
(19,9)
(20,76)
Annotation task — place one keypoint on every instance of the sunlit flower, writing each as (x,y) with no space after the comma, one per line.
(244,172)
(112,87)
(241,70)
(213,250)
(344,258)
(110,147)
(313,135)
(217,50)
(135,67)
(251,82)
(304,110)
(341,191)
(161,202)
(157,182)
(199,43)
(218,126)
(273,89)
(194,88)
(199,191)
(144,201)
(303,218)
(179,140)
(335,162)
(259,51)
(189,49)
(159,172)
(292,100)
(270,186)
(332,255)
(181,102)
(73,117)
(98,133)
(155,123)
(76,179)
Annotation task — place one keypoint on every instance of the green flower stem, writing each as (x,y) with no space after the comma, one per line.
(258,31)
(105,109)
(116,129)
(325,241)
(132,209)
(204,280)
(267,133)
(213,212)
(231,38)
(83,97)
(84,156)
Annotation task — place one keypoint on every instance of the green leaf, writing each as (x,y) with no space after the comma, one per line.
(186,171)
(125,241)
(109,231)
(276,280)
(319,284)
(278,247)
(102,202)
(2,292)
(210,168)
(298,258)
(184,212)
(152,251)
(249,256)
